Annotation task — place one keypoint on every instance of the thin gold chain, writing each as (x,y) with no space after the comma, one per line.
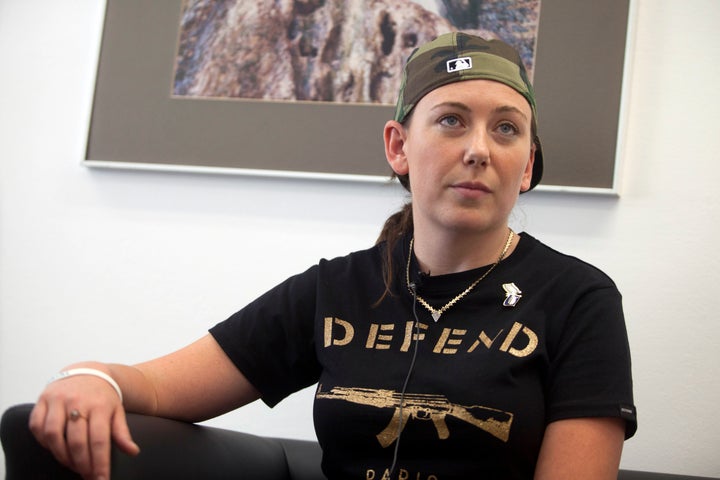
(436,313)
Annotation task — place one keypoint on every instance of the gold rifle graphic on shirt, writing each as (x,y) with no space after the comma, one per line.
(422,407)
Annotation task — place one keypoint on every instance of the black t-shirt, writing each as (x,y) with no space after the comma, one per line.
(541,338)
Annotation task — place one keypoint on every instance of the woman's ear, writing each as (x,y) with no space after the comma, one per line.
(527,174)
(394,135)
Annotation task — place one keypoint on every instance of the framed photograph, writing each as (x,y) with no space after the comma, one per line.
(250,88)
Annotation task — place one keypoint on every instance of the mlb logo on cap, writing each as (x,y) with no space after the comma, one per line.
(457,64)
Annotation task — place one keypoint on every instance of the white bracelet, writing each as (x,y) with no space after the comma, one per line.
(88,371)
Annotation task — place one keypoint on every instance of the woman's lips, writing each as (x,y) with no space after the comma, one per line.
(473,189)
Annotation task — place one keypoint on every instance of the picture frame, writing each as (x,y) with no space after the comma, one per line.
(580,76)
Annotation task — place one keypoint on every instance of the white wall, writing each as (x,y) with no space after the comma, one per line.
(123,266)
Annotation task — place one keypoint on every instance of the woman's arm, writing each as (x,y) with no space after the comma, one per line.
(192,384)
(195,383)
(587,448)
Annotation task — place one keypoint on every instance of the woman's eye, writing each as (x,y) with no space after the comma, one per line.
(507,129)
(450,121)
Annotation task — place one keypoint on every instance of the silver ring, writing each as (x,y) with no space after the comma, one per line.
(75,415)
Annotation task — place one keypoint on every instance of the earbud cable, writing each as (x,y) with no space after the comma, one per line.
(407,378)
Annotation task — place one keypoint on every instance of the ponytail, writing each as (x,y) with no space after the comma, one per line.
(397,225)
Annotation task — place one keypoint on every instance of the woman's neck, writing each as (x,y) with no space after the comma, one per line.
(449,252)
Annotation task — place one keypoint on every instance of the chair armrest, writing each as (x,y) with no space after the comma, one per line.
(303,458)
(178,450)
(169,449)
(174,449)
(639,475)
(24,457)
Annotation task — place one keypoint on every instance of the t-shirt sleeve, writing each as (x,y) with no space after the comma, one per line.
(590,372)
(271,340)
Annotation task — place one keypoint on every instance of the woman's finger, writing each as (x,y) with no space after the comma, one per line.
(76,434)
(36,422)
(121,433)
(53,432)
(99,444)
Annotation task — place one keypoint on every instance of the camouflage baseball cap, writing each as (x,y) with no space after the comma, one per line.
(456,57)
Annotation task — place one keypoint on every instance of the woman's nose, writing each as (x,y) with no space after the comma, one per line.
(478,150)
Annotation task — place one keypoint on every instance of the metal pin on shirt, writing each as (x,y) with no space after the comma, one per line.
(512,294)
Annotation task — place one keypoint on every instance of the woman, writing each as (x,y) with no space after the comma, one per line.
(516,353)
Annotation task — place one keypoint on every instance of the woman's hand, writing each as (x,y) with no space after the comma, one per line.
(77,418)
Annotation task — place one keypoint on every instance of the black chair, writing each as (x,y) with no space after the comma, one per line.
(177,450)
(169,449)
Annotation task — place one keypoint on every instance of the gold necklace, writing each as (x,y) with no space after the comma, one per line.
(436,313)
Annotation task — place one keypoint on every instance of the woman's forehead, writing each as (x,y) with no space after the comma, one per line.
(478,92)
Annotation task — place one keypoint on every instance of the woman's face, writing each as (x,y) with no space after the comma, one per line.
(469,153)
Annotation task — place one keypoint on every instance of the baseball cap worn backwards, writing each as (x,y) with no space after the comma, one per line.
(456,57)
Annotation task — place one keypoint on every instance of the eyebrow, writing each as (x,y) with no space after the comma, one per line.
(464,107)
(510,108)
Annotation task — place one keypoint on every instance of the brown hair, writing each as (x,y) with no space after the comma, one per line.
(394,228)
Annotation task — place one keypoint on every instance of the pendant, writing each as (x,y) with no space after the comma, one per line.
(512,294)
(436,315)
